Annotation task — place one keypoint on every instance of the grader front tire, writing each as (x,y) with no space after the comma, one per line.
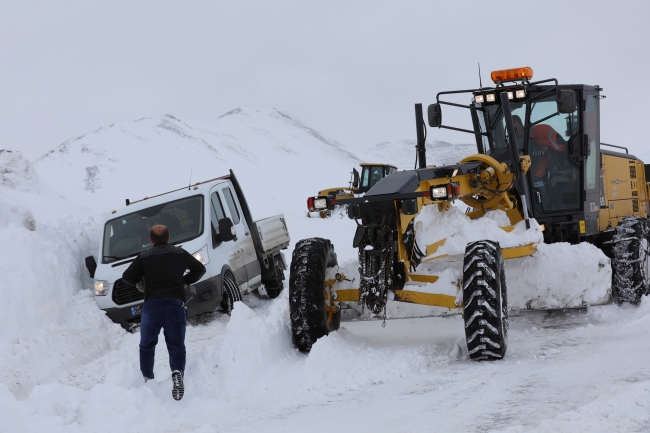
(485,301)
(311,317)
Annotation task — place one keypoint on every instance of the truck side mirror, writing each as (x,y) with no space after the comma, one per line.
(227,230)
(435,115)
(91,265)
(566,102)
(355,178)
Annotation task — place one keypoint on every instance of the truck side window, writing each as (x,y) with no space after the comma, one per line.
(216,210)
(231,205)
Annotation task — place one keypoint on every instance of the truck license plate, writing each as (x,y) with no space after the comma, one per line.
(136,311)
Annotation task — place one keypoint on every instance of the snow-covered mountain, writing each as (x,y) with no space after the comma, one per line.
(273,154)
(402,153)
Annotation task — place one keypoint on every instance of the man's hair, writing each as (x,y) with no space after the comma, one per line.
(516,118)
(159,234)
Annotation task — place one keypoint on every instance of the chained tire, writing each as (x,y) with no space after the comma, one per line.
(231,293)
(485,301)
(631,262)
(310,320)
(274,286)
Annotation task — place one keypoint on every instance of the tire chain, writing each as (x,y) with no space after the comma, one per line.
(376,270)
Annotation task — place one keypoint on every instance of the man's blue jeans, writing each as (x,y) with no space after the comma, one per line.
(169,314)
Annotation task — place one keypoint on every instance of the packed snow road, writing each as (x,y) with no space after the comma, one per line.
(572,370)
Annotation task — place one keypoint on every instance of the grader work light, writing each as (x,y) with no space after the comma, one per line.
(516,74)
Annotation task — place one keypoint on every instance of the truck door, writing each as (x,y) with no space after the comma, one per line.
(245,239)
(221,253)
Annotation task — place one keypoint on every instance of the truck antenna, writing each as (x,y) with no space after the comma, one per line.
(480,83)
(190,184)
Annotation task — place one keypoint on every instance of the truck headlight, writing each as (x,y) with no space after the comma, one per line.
(202,255)
(438,192)
(320,203)
(101,287)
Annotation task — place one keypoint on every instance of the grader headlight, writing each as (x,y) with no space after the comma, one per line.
(438,192)
(320,203)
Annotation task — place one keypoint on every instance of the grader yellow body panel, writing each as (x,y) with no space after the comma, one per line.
(625,190)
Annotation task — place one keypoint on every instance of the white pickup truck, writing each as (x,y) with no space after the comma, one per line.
(212,221)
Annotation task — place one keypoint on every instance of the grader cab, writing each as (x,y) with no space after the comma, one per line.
(539,157)
(321,205)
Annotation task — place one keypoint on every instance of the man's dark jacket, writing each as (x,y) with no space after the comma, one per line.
(162,267)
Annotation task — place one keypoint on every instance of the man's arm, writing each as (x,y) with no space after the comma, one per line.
(133,273)
(196,269)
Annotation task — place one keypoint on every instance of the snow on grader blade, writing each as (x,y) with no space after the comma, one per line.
(554,187)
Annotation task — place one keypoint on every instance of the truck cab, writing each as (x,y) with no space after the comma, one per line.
(211,220)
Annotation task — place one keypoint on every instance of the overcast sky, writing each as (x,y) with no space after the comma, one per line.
(350,69)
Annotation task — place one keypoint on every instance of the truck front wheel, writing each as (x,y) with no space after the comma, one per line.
(631,260)
(231,293)
(311,315)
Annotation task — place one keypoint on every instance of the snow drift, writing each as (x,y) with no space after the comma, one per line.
(66,367)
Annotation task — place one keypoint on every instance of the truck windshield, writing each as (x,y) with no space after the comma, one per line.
(128,235)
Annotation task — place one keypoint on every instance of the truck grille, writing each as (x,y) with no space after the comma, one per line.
(125,293)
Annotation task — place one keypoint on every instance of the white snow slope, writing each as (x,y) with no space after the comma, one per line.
(65,367)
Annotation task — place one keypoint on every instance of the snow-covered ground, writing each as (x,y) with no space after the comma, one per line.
(64,366)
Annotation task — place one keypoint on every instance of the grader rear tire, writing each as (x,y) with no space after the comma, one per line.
(631,262)
(310,319)
(485,301)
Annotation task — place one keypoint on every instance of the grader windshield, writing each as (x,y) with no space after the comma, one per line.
(543,134)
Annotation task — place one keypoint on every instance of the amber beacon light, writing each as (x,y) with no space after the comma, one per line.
(516,74)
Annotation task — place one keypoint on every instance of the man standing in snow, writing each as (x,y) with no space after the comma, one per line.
(161,270)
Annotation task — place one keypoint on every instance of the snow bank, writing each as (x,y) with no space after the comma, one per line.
(238,372)
(16,174)
(43,239)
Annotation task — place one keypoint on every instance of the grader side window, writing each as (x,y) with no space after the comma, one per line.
(365,177)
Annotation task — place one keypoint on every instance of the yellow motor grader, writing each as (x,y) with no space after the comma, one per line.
(321,205)
(539,156)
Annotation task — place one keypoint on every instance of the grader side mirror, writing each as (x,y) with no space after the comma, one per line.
(434,115)
(566,102)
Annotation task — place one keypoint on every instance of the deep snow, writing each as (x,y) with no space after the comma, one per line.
(64,366)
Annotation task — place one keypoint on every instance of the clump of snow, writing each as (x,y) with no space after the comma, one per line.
(16,172)
(559,275)
(431,226)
